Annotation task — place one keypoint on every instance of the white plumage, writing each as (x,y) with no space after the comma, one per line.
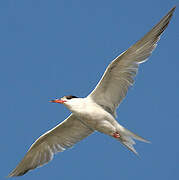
(97,111)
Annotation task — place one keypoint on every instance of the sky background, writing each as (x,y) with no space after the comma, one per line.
(49,49)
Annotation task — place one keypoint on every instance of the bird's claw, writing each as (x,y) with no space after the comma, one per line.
(116,135)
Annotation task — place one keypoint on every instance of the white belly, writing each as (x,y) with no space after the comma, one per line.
(99,119)
(94,116)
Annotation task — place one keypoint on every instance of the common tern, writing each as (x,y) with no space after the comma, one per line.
(97,111)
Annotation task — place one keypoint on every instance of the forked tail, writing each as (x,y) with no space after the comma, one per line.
(127,139)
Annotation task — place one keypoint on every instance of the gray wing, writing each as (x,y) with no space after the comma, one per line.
(63,136)
(120,73)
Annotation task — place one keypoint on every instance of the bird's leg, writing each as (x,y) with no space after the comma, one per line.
(116,135)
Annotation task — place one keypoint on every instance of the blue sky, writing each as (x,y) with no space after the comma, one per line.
(54,48)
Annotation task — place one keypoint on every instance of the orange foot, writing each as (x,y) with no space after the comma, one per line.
(116,135)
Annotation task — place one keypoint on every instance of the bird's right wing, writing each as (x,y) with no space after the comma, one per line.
(119,75)
(63,136)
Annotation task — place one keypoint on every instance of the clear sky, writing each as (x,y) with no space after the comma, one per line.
(54,48)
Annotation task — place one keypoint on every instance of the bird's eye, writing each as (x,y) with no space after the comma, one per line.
(70,97)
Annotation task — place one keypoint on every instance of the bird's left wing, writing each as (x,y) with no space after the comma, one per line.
(119,75)
(63,136)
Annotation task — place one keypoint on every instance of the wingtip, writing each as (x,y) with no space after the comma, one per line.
(173,9)
(8,176)
(11,174)
(16,173)
(170,13)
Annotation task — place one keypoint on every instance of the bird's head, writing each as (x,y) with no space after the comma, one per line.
(64,99)
(71,102)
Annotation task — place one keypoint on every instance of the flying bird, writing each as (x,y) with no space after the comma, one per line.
(97,111)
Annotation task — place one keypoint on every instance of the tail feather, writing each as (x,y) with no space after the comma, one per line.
(135,136)
(127,139)
(129,146)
